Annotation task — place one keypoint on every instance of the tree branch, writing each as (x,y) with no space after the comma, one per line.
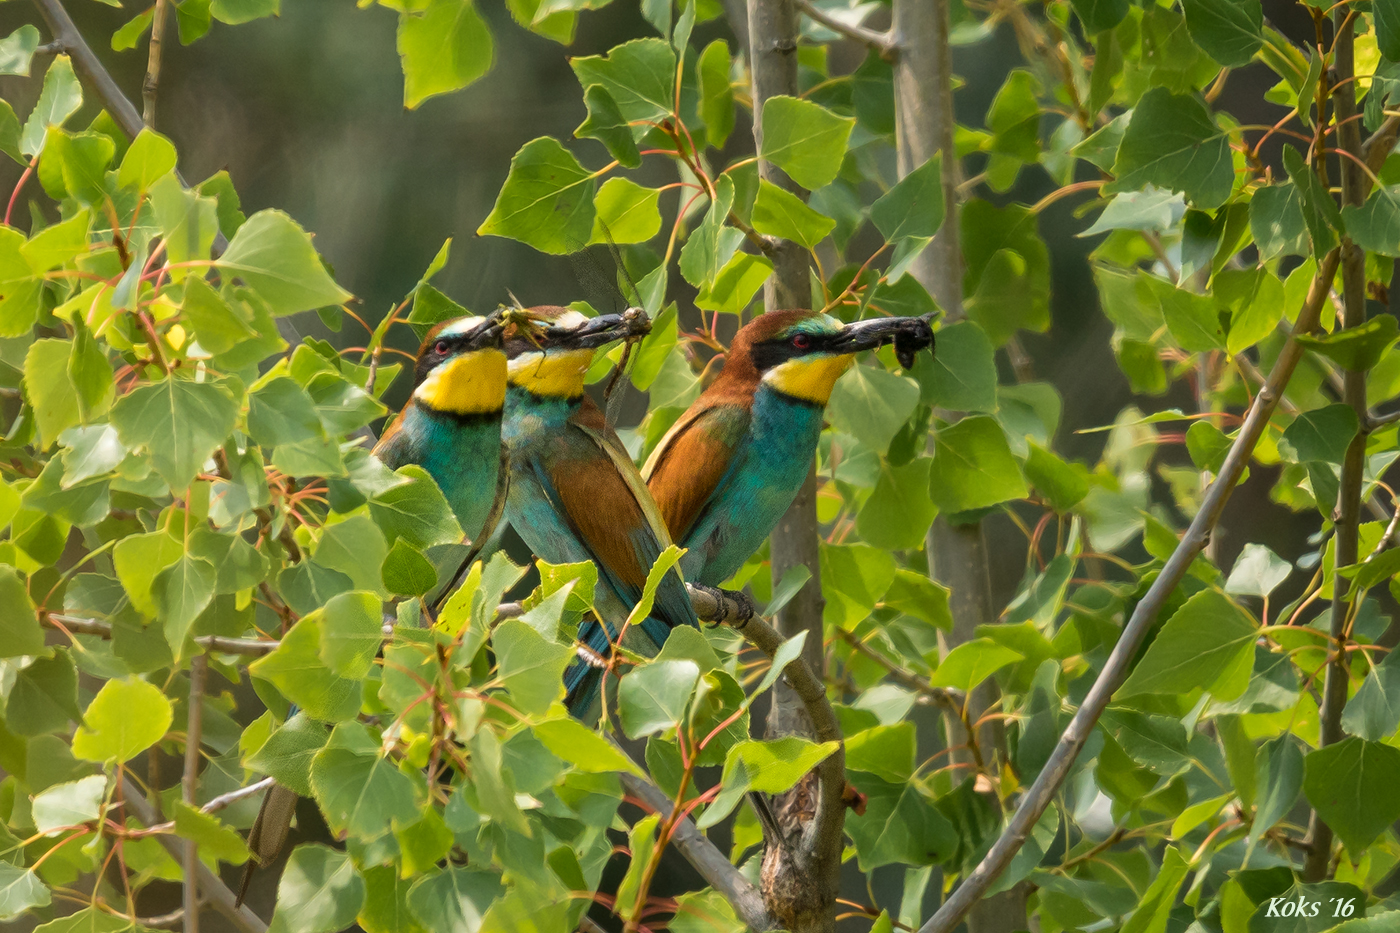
(1347,516)
(215,891)
(69,40)
(189,784)
(1047,783)
(151,85)
(881,42)
(702,854)
(1378,147)
(949,699)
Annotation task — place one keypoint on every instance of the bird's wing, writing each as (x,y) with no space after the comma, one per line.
(689,464)
(601,499)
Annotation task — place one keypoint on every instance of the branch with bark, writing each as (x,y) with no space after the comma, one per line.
(880,42)
(1347,516)
(215,891)
(1039,795)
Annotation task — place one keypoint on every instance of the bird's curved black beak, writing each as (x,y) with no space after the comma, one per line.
(908,334)
(603,329)
(489,333)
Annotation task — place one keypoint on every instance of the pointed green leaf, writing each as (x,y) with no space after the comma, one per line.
(804,139)
(178,421)
(320,892)
(274,257)
(546,201)
(124,719)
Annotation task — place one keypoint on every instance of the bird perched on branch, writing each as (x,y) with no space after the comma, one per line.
(451,426)
(575,494)
(731,465)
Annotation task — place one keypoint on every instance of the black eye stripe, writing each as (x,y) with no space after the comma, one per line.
(774,352)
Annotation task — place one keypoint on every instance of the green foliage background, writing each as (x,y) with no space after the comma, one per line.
(177,472)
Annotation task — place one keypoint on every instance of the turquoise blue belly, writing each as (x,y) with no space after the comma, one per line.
(768,469)
(463,457)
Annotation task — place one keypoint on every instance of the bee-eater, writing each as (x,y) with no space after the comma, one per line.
(575,493)
(451,426)
(731,465)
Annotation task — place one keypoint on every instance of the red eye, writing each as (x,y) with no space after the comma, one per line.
(441,348)
(800,341)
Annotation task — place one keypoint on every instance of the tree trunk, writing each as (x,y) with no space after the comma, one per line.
(924,125)
(799,886)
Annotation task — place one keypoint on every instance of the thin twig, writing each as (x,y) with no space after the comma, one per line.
(67,38)
(233,796)
(150,86)
(951,699)
(1039,795)
(882,42)
(189,784)
(215,891)
(704,857)
(1346,518)
(1113,839)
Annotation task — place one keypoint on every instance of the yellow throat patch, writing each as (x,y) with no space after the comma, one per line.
(558,374)
(809,378)
(471,384)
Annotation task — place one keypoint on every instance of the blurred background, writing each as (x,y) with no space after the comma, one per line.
(305,112)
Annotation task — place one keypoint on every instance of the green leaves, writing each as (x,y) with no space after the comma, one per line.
(1373,713)
(1100,15)
(1208,642)
(1320,214)
(1387,16)
(20,632)
(17,49)
(179,422)
(287,754)
(771,767)
(124,719)
(320,892)
(1356,348)
(1172,142)
(606,124)
(546,202)
(273,255)
(972,662)
(1375,225)
(871,404)
(640,78)
(1230,31)
(914,207)
(444,45)
(804,139)
(583,748)
(973,467)
(70,804)
(60,98)
(149,157)
(1322,434)
(898,513)
(652,698)
(625,211)
(351,630)
(20,890)
(296,669)
(779,213)
(1350,785)
(531,667)
(415,511)
(361,791)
